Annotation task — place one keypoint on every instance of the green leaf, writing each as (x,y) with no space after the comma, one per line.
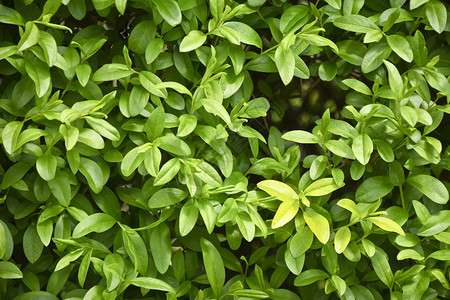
(318,166)
(83,73)
(301,137)
(416,286)
(77,9)
(192,41)
(161,247)
(10,136)
(381,266)
(9,270)
(301,242)
(387,224)
(385,150)
(121,5)
(286,212)
(208,214)
(285,61)
(416,3)
(437,223)
(294,18)
(436,13)
(103,128)
(341,239)
(334,3)
(373,188)
(166,197)
(70,135)
(362,148)
(15,173)
(32,245)
(321,187)
(29,135)
(154,127)
(327,70)
(255,108)
(215,108)
(279,189)
(141,36)
(352,51)
(396,173)
(93,173)
(355,23)
(98,222)
(215,270)
(46,166)
(152,161)
(48,44)
(310,276)
(138,100)
(10,16)
(171,85)
(84,267)
(295,265)
(374,56)
(187,125)
(109,72)
(30,37)
(68,258)
(152,284)
(357,86)
(168,171)
(339,284)
(40,74)
(395,80)
(7,51)
(245,225)
(340,148)
(91,138)
(131,161)
(430,187)
(174,145)
(60,187)
(318,224)
(409,114)
(317,40)
(153,49)
(169,10)
(208,174)
(247,34)
(400,46)
(188,217)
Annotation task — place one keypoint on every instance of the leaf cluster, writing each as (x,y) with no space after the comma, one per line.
(131,166)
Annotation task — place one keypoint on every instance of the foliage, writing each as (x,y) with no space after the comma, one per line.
(134,163)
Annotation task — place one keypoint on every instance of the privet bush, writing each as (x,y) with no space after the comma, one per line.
(138,161)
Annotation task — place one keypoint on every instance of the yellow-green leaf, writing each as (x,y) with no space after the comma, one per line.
(278,189)
(341,239)
(318,225)
(286,212)
(387,224)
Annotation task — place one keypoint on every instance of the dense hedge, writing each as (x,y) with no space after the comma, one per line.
(139,160)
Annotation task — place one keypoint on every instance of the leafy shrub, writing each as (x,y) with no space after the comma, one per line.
(135,163)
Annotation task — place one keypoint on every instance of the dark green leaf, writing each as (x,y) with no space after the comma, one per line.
(98,222)
(214,267)
(373,188)
(430,187)
(166,197)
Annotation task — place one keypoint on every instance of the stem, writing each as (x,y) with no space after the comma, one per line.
(402,198)
(66,89)
(261,54)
